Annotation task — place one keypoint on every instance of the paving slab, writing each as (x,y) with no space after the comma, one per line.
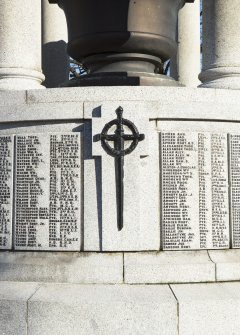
(13,307)
(99,309)
(208,309)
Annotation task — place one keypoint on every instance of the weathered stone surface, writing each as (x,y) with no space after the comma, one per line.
(208,309)
(9,98)
(141,221)
(74,309)
(13,307)
(159,102)
(221,45)
(20,36)
(189,39)
(98,94)
(43,127)
(227,264)
(168,267)
(84,268)
(42,112)
(144,94)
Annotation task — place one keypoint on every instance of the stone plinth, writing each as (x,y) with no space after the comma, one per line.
(182,194)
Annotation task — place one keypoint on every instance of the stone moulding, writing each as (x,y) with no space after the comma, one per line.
(115,268)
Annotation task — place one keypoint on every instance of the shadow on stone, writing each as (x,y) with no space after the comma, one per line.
(55,63)
(98,170)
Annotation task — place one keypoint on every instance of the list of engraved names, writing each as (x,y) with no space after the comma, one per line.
(48,183)
(194,190)
(234,144)
(200,191)
(6,171)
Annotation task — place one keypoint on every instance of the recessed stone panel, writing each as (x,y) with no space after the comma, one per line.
(194,190)
(47,192)
(6,174)
(141,225)
(234,161)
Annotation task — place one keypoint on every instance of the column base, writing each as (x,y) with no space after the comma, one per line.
(222,77)
(122,79)
(20,79)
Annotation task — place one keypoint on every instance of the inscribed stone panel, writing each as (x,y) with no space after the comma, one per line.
(234,162)
(194,177)
(47,192)
(6,176)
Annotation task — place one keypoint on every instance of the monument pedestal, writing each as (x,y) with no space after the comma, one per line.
(61,249)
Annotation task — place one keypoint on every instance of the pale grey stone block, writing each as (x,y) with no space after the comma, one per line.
(189,126)
(208,309)
(42,112)
(227,264)
(85,268)
(158,102)
(101,310)
(141,230)
(41,127)
(176,103)
(168,267)
(200,104)
(137,93)
(13,307)
(8,98)
(132,110)
(197,111)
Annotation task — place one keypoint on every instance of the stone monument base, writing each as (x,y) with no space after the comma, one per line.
(36,309)
(65,268)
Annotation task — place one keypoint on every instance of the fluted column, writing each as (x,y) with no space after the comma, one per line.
(221,44)
(20,45)
(54,38)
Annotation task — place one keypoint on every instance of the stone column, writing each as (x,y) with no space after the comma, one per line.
(54,38)
(221,44)
(186,65)
(189,49)
(20,45)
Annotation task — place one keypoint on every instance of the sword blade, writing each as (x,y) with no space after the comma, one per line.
(119,173)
